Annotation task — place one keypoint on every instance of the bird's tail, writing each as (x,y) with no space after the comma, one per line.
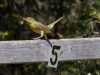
(52,24)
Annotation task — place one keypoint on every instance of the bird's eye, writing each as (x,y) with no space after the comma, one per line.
(29,18)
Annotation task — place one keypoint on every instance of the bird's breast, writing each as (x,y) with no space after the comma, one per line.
(31,25)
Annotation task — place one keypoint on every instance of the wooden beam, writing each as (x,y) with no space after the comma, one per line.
(39,50)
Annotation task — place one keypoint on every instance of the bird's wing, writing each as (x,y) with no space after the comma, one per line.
(42,27)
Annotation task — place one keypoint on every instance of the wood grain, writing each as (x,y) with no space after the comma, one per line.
(32,51)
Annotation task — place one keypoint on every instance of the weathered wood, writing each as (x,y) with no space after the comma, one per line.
(39,50)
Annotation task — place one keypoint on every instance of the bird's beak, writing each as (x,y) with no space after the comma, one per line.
(24,19)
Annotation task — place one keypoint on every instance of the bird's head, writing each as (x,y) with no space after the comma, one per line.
(28,19)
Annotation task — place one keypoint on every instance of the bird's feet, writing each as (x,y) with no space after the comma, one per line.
(35,38)
(38,38)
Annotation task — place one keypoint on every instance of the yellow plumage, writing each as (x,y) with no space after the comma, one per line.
(39,27)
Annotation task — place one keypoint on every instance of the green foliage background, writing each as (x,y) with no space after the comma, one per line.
(81,19)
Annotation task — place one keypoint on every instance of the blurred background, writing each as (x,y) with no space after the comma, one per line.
(81,20)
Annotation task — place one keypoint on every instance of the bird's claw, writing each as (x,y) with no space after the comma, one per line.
(35,38)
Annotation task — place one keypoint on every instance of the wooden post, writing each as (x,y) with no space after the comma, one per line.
(39,50)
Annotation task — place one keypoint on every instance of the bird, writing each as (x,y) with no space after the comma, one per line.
(40,28)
